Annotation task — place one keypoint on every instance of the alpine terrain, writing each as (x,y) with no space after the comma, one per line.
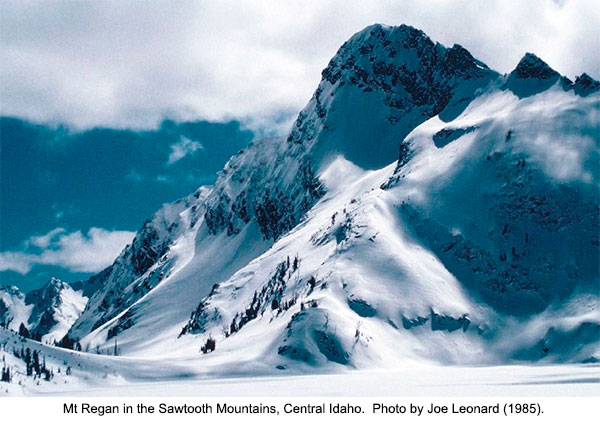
(423,210)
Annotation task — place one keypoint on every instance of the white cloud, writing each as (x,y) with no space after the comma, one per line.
(43,241)
(132,64)
(75,251)
(15,261)
(182,148)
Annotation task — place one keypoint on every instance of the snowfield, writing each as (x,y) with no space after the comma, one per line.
(98,375)
(560,381)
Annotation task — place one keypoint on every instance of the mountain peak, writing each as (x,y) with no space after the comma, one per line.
(531,66)
(391,40)
(384,57)
(585,85)
(458,61)
(379,30)
(55,283)
(49,293)
(52,288)
(388,78)
(11,290)
(532,76)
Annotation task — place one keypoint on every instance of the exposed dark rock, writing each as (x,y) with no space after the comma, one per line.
(444,322)
(446,136)
(361,307)
(330,346)
(410,323)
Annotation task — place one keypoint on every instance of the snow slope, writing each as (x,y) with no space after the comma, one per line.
(423,209)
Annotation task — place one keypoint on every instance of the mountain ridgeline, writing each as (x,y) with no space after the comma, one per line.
(423,207)
(44,314)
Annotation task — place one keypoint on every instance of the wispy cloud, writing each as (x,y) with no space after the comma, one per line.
(74,251)
(182,148)
(134,176)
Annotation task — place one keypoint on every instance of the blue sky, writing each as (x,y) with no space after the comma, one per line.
(69,200)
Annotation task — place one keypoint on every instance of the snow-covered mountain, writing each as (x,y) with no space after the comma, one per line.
(47,313)
(13,310)
(422,208)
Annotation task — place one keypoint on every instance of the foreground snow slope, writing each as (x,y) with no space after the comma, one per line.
(423,209)
(518,381)
(87,374)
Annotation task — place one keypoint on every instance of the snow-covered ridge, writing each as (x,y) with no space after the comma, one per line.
(142,264)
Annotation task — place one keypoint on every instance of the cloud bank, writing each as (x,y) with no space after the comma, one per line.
(74,251)
(132,64)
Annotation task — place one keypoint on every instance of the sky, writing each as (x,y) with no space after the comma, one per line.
(114,107)
(71,200)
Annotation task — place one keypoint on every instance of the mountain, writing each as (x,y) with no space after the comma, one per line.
(423,208)
(13,310)
(48,313)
